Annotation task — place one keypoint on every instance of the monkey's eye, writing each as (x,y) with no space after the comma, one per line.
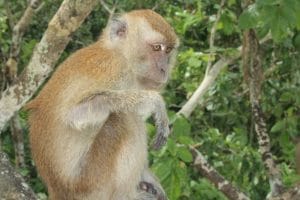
(169,49)
(156,47)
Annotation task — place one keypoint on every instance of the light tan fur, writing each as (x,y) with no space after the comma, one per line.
(87,131)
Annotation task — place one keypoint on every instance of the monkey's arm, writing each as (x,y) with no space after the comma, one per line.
(94,109)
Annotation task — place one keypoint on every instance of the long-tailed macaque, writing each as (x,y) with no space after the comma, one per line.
(87,130)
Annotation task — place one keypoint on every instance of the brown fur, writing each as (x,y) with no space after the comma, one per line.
(85,73)
(157,23)
(83,63)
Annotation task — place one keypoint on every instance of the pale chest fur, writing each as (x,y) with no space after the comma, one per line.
(132,158)
(129,164)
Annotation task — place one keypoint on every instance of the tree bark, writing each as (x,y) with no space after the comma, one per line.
(253,76)
(209,172)
(12,185)
(11,73)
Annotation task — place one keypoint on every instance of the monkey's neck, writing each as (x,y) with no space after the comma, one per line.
(149,84)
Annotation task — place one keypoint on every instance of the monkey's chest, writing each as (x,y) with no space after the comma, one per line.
(132,157)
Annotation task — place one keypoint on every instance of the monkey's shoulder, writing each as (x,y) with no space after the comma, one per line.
(90,69)
(94,61)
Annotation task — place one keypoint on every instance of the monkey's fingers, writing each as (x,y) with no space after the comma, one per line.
(151,189)
(161,137)
(159,142)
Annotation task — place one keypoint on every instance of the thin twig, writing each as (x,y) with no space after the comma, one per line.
(11,20)
(111,11)
(212,37)
(157,3)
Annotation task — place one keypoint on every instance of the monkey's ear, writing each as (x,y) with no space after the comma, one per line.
(118,28)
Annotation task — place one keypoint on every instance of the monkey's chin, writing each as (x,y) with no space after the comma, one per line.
(150,84)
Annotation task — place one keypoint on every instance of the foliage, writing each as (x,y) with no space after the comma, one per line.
(221,126)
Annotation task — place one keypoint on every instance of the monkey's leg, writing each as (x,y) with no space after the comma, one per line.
(149,187)
(94,109)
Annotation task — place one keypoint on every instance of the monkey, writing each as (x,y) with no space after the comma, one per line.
(87,124)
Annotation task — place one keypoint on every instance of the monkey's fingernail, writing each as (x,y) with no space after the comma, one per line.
(143,186)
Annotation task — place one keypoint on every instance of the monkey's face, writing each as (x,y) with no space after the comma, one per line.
(154,63)
(153,56)
(148,43)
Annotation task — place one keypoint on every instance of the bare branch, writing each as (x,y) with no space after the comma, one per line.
(157,4)
(212,36)
(111,11)
(22,25)
(291,194)
(229,190)
(208,81)
(19,29)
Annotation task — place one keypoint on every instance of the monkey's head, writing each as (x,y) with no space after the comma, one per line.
(147,42)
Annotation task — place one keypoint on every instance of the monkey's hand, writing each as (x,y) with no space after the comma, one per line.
(162,126)
(149,187)
(151,192)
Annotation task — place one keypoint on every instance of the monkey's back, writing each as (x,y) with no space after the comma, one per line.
(65,157)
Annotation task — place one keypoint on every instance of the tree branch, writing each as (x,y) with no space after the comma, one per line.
(229,190)
(18,32)
(253,75)
(12,185)
(208,81)
(67,19)
(111,11)
(11,69)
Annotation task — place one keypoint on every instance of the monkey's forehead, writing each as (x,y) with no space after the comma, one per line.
(157,23)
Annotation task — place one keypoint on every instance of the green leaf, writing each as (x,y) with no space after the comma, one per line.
(181,170)
(185,140)
(181,127)
(296,40)
(287,97)
(163,168)
(279,26)
(227,22)
(279,126)
(174,187)
(184,154)
(288,12)
(171,146)
(248,19)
